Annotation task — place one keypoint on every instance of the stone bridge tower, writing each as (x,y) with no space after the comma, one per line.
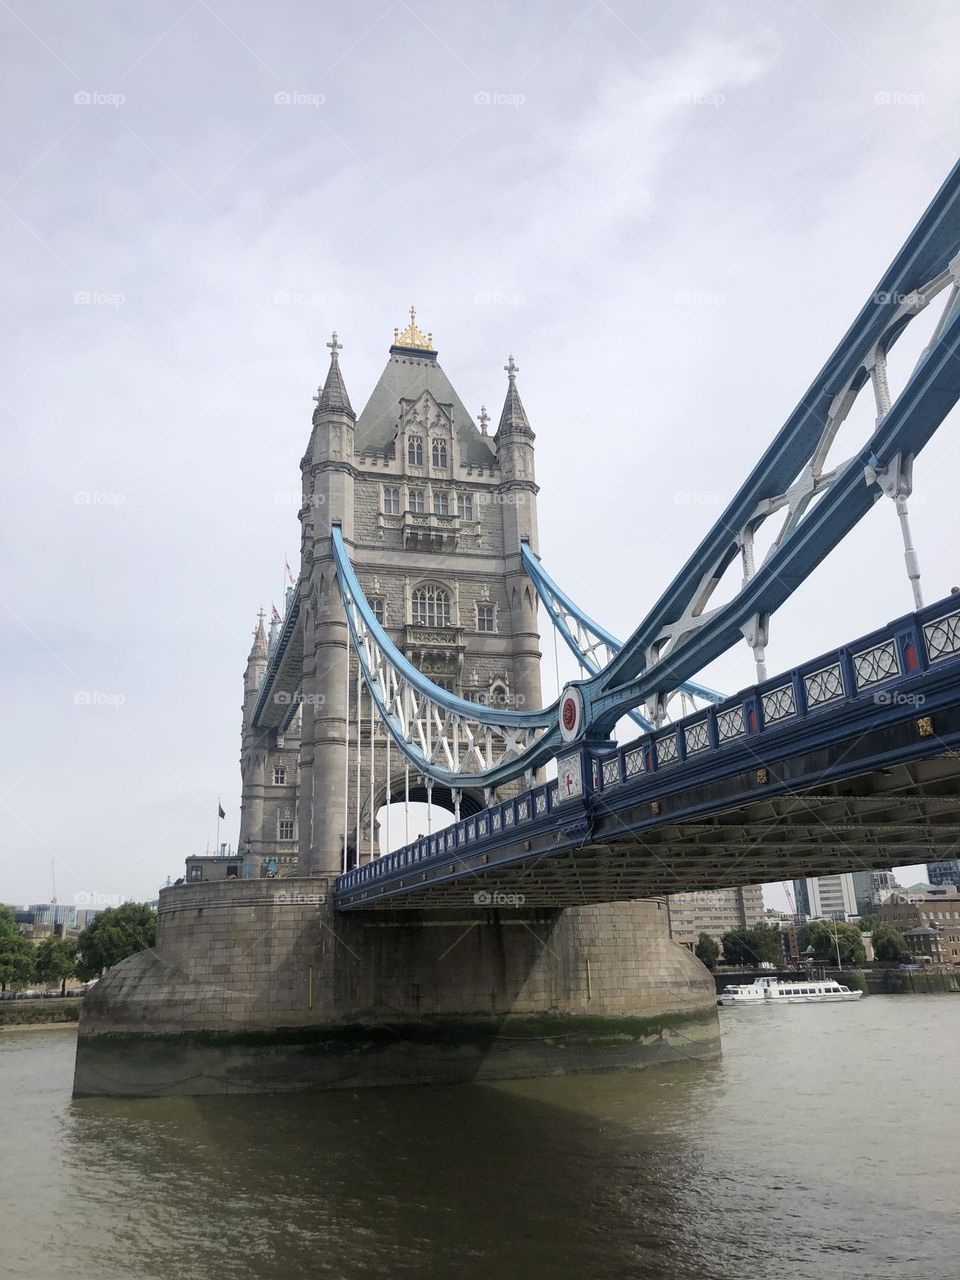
(433,508)
(255,986)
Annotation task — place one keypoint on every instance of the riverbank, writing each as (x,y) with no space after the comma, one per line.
(39,1013)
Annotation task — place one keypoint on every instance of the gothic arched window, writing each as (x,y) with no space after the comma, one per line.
(415,451)
(431,606)
(440,453)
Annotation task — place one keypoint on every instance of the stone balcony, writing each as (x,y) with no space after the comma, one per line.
(428,532)
(439,648)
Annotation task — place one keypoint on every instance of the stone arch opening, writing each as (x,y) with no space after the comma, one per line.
(408,821)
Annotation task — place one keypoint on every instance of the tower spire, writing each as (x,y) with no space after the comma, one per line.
(513,418)
(259,648)
(333,394)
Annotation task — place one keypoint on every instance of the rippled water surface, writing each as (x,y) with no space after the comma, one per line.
(824,1144)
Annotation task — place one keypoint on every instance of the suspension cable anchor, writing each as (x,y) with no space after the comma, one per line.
(896,481)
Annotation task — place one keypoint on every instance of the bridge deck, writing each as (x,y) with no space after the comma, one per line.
(849,762)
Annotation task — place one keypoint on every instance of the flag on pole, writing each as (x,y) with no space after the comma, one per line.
(274,616)
(220,813)
(286,565)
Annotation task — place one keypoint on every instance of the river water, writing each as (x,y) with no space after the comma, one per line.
(824,1144)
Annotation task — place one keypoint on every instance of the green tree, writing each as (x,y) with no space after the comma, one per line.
(889,944)
(707,950)
(56,960)
(869,923)
(17,969)
(112,936)
(753,946)
(765,941)
(825,936)
(736,947)
(8,924)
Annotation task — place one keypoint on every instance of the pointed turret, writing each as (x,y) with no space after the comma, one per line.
(515,453)
(256,662)
(513,419)
(259,648)
(333,396)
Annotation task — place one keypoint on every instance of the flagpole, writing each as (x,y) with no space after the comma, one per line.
(219,807)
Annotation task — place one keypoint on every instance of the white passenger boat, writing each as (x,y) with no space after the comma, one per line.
(798,991)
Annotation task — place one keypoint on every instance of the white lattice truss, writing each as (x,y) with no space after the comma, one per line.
(434,736)
(595,651)
(816,478)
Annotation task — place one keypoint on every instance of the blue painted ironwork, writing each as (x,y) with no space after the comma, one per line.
(592,636)
(446,738)
(735,731)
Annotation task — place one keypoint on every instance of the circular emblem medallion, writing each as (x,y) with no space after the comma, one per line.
(571,713)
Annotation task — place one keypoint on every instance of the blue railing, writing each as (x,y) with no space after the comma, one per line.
(868,670)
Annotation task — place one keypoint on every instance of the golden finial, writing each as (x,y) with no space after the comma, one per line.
(412,336)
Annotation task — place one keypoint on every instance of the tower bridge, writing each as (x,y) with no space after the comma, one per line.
(529,937)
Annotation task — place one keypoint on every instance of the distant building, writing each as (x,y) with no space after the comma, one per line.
(826,897)
(926,943)
(917,892)
(54,913)
(947,872)
(714,912)
(939,912)
(870,888)
(852,893)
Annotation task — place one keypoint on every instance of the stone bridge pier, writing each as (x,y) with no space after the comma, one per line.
(259,986)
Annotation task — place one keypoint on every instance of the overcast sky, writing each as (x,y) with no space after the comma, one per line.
(669,213)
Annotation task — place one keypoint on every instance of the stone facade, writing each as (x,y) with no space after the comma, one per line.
(433,510)
(714,912)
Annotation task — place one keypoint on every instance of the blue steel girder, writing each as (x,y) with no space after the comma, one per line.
(678,638)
